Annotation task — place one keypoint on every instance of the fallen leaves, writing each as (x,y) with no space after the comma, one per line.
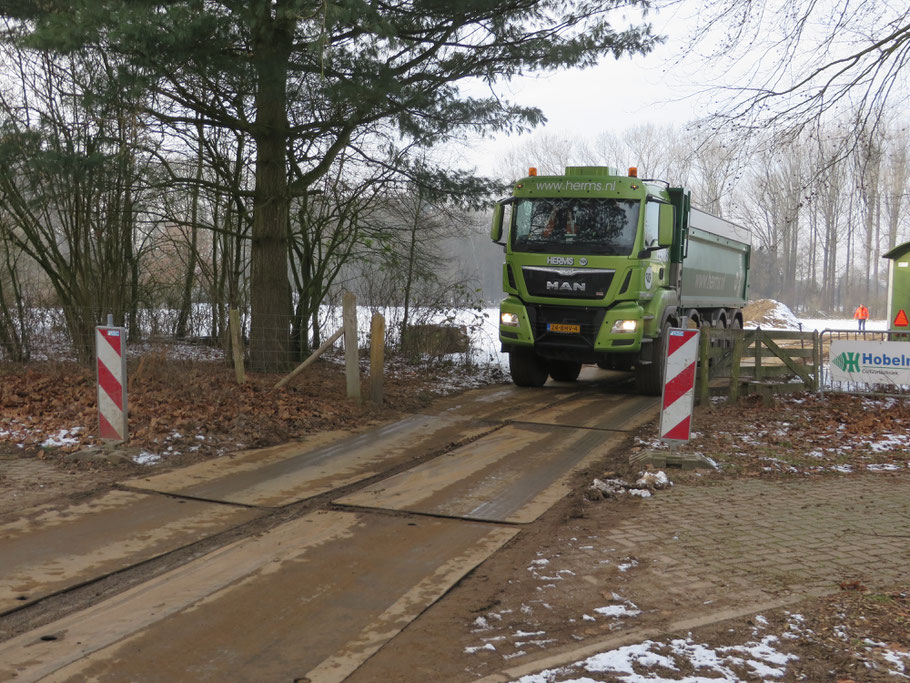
(172,402)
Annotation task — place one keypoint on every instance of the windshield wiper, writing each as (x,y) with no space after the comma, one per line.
(537,245)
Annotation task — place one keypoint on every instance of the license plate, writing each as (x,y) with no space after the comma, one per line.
(563,328)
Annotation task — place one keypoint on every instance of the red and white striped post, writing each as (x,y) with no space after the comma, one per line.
(110,350)
(679,385)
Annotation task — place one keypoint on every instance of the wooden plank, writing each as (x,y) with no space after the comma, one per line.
(798,370)
(309,361)
(792,352)
(785,334)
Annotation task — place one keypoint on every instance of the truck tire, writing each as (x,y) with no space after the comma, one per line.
(564,370)
(649,378)
(527,368)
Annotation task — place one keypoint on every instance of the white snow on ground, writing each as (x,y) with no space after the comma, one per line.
(618,610)
(821,324)
(627,564)
(753,438)
(898,660)
(642,487)
(146,458)
(653,661)
(64,437)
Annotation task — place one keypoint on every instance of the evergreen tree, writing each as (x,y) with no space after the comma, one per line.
(321,72)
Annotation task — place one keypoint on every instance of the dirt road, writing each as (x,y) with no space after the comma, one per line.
(341,541)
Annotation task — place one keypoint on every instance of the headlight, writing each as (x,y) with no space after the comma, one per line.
(624,326)
(510,319)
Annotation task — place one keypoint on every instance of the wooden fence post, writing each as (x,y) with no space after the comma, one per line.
(738,346)
(759,340)
(237,345)
(704,375)
(377,358)
(817,359)
(351,353)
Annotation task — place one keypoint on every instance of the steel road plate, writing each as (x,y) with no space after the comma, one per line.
(513,475)
(285,474)
(51,548)
(310,599)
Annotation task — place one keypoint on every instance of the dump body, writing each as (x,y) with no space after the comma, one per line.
(715,271)
(597,265)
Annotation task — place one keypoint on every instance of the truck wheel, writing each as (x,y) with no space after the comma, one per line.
(564,370)
(527,368)
(649,378)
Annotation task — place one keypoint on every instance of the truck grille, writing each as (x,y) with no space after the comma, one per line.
(589,321)
(567,283)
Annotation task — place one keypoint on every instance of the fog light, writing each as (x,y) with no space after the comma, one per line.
(510,319)
(624,326)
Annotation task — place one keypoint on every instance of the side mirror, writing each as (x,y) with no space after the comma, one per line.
(665,226)
(496,228)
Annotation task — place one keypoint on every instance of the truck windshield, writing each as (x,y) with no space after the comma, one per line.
(572,225)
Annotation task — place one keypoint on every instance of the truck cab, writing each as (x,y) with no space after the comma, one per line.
(592,272)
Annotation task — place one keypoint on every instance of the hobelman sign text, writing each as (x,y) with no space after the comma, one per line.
(870,362)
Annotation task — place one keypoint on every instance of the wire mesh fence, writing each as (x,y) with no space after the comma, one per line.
(827,381)
(270,343)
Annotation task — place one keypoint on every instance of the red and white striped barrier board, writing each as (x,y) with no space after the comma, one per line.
(110,349)
(679,385)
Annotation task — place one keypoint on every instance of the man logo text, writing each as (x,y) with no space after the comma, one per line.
(565,286)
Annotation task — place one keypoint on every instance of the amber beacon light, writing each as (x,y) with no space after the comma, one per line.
(532,172)
(633,171)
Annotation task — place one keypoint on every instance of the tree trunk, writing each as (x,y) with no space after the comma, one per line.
(189,279)
(270,296)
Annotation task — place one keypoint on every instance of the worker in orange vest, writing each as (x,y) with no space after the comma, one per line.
(861,315)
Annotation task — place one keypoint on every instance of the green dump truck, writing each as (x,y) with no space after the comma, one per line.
(599,265)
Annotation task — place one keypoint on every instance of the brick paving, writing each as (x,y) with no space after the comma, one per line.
(707,552)
(773,536)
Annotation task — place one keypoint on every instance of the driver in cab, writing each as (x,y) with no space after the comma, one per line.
(561,223)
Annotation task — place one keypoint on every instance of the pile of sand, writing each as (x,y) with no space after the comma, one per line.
(771,314)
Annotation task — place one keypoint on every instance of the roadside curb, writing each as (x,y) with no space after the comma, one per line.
(636,636)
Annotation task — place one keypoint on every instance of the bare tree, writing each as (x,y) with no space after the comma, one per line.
(548,152)
(71,185)
(797,64)
(896,183)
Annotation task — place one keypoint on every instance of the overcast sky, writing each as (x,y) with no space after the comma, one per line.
(613,96)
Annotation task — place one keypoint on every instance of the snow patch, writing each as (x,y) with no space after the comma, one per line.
(147,458)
